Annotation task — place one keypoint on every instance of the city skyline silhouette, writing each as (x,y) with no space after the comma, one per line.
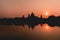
(31,21)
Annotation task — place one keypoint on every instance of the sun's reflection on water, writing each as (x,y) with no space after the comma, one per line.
(44,31)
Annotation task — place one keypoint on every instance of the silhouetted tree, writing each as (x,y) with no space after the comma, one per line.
(31,20)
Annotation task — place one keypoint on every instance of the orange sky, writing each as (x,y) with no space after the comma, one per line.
(17,8)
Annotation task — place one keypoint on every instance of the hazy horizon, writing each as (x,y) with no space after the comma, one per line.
(17,8)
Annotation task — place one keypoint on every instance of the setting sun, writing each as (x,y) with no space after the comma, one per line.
(46,13)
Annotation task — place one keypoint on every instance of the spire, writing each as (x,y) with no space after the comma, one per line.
(32,14)
(23,16)
(41,17)
(28,15)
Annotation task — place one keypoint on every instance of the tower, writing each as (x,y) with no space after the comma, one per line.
(23,16)
(32,14)
(41,17)
(28,15)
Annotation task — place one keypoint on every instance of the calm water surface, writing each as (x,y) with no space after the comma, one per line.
(43,32)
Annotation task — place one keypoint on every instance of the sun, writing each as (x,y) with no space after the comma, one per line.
(46,13)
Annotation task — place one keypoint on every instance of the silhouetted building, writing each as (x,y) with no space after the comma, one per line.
(28,15)
(32,14)
(31,20)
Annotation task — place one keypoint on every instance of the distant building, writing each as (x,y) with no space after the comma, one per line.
(32,14)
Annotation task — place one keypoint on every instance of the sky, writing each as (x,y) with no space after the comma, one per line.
(18,8)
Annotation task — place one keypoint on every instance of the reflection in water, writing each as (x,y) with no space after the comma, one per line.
(45,32)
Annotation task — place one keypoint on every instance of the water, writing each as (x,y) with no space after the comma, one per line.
(44,32)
